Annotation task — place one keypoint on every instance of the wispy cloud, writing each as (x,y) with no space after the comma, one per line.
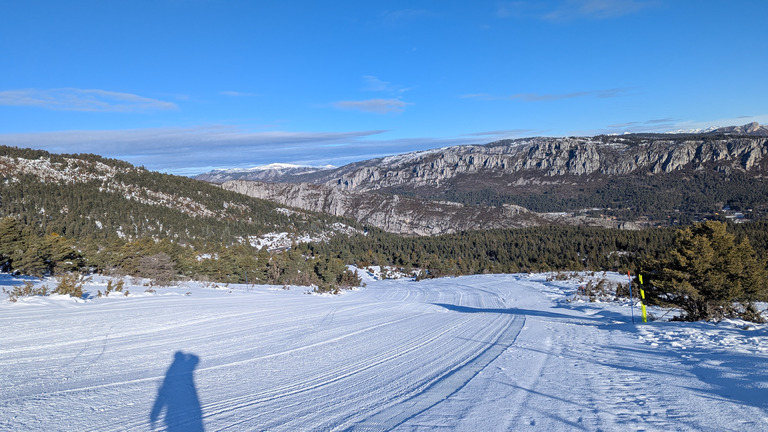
(91,100)
(504,133)
(597,9)
(375,84)
(517,9)
(544,97)
(400,15)
(567,10)
(378,106)
(539,97)
(652,125)
(238,94)
(192,150)
(661,121)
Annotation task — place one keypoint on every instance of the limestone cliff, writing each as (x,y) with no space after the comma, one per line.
(617,180)
(401,215)
(551,158)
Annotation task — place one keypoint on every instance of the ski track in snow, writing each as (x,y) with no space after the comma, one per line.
(491,353)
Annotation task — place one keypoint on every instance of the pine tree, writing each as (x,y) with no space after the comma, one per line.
(708,275)
(10,236)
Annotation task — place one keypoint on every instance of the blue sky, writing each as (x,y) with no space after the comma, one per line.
(185,86)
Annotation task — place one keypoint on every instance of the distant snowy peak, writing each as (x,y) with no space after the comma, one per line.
(750,129)
(271,172)
(692,131)
(284,166)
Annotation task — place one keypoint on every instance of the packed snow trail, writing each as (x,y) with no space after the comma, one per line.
(502,352)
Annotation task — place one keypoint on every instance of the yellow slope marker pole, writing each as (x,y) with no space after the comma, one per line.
(631,300)
(642,296)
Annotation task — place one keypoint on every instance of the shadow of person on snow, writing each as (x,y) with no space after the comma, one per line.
(178,396)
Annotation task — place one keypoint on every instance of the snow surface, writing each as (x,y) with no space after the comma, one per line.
(284,240)
(475,353)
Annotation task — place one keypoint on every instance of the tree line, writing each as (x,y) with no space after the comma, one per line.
(709,270)
(24,250)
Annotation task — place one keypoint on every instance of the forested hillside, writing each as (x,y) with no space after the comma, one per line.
(79,212)
(89,196)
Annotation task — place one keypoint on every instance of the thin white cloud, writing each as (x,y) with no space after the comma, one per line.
(624,125)
(187,150)
(162,139)
(90,100)
(238,94)
(651,122)
(378,106)
(544,97)
(401,15)
(504,133)
(374,84)
(480,96)
(190,151)
(661,121)
(381,105)
(515,9)
(567,10)
(597,9)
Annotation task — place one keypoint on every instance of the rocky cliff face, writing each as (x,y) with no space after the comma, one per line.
(554,157)
(400,215)
(737,148)
(627,174)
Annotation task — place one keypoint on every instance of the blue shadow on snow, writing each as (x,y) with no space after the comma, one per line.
(178,396)
(510,311)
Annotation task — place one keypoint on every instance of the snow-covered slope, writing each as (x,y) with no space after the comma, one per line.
(502,352)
